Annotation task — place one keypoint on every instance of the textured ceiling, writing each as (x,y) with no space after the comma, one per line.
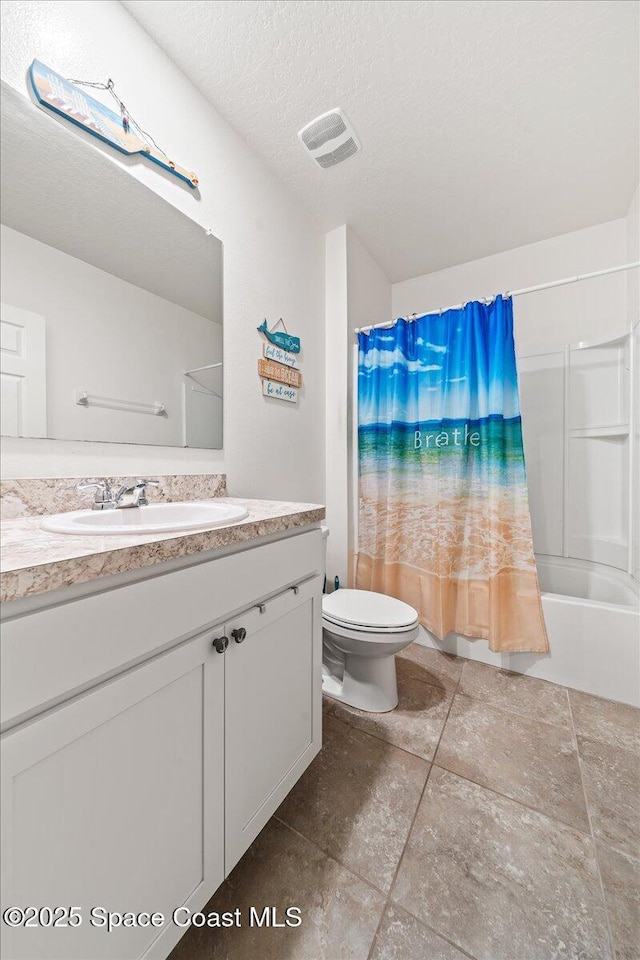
(485,125)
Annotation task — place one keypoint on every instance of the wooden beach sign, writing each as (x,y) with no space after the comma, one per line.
(67,100)
(270,370)
(272,352)
(279,391)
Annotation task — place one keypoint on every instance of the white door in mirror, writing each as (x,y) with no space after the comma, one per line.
(155,518)
(23,373)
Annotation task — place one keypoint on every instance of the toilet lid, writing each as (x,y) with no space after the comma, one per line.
(362,608)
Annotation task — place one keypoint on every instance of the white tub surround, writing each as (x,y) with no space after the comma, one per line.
(592,615)
(154,719)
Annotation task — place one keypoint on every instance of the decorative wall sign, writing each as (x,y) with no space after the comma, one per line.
(270,370)
(280,376)
(280,339)
(66,99)
(272,352)
(279,391)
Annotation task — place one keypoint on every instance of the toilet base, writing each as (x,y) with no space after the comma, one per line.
(367,683)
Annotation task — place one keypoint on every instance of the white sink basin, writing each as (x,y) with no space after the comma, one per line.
(155,518)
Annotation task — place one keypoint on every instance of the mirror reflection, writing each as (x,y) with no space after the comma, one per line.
(111,297)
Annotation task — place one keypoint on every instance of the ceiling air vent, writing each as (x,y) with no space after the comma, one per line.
(330,139)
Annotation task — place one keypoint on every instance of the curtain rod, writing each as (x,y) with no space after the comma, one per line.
(513,293)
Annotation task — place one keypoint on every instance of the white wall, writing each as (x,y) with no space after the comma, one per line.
(368,301)
(337,375)
(633,309)
(357,292)
(273,254)
(635,474)
(543,321)
(369,290)
(108,337)
(633,256)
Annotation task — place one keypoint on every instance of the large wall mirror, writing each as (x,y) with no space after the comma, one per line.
(111,298)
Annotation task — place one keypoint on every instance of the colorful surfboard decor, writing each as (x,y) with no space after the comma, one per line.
(67,100)
(280,338)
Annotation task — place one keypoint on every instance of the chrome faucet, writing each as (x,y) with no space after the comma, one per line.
(133,494)
(129,494)
(103,498)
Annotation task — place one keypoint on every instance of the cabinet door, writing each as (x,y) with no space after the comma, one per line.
(115,800)
(273,708)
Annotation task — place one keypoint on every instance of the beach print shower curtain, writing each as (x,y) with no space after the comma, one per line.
(444,518)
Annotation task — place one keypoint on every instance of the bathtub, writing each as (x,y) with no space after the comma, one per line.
(592,614)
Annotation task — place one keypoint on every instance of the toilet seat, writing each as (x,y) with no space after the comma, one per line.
(368,612)
(370,633)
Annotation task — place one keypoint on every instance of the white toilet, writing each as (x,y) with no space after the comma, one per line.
(361,633)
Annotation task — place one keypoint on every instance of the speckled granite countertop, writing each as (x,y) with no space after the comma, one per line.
(34,561)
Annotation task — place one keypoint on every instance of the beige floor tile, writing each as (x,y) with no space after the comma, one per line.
(340,913)
(402,937)
(617,724)
(430,666)
(357,800)
(416,723)
(612,784)
(526,696)
(535,763)
(501,880)
(621,882)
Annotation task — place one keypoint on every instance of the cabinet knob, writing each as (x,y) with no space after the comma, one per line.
(239,635)
(221,644)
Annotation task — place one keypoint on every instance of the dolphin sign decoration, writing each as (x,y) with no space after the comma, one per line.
(280,339)
(67,100)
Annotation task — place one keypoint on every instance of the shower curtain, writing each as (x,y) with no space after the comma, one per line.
(444,517)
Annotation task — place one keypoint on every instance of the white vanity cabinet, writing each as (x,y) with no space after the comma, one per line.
(116,799)
(140,791)
(271,731)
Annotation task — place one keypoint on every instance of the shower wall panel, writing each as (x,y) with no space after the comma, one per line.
(542,405)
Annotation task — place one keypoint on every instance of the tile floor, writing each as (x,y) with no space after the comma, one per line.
(491,816)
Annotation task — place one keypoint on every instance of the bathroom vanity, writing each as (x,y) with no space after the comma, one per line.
(160,689)
(153,719)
